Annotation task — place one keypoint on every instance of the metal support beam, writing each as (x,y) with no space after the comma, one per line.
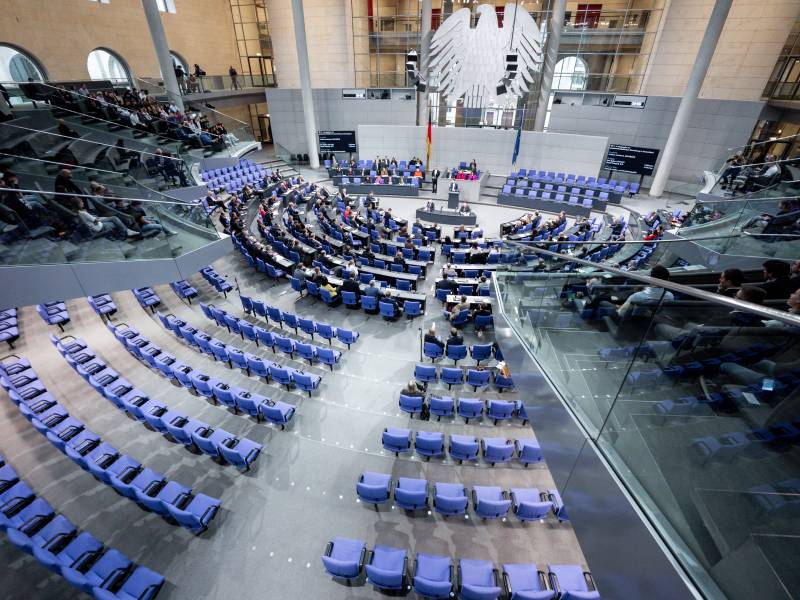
(309,118)
(551,58)
(161,46)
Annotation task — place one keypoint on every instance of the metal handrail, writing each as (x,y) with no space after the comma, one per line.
(69,166)
(94,197)
(769,141)
(732,303)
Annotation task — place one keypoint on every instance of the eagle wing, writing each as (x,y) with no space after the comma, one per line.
(522,35)
(449,48)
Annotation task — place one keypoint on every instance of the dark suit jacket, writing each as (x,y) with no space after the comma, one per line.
(432,339)
(350,285)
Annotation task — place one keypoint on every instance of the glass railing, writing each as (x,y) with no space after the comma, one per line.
(38,226)
(211,83)
(691,400)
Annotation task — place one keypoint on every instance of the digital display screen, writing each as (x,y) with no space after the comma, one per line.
(337,141)
(631,159)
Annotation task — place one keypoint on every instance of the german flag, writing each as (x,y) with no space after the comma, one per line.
(428,142)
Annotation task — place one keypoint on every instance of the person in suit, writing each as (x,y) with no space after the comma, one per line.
(455,339)
(432,338)
(453,186)
(372,290)
(435,174)
(387,299)
(350,285)
(473,166)
(730,281)
(446,284)
(778,284)
(319,277)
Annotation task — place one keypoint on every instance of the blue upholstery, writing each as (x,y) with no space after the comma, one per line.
(452,376)
(411,494)
(433,576)
(374,488)
(387,310)
(497,450)
(411,404)
(344,558)
(470,408)
(449,498)
(412,309)
(571,582)
(479,580)
(387,568)
(528,505)
(432,351)
(456,352)
(346,336)
(425,373)
(396,440)
(525,582)
(441,406)
(528,451)
(463,447)
(477,378)
(500,410)
(429,443)
(490,502)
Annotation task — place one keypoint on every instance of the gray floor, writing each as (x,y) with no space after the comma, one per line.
(276,519)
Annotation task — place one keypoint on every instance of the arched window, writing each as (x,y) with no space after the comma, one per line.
(570,74)
(105,64)
(177,59)
(17,65)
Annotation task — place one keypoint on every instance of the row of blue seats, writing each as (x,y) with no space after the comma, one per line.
(234,357)
(235,397)
(456,352)
(433,576)
(124,474)
(217,281)
(372,305)
(578,180)
(477,378)
(780,499)
(292,321)
(450,499)
(33,526)
(752,443)
(9,327)
(245,329)
(147,298)
(183,290)
(461,447)
(467,408)
(103,305)
(54,313)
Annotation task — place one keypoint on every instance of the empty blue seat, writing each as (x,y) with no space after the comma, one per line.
(441,406)
(477,378)
(528,451)
(528,504)
(497,450)
(433,576)
(425,373)
(411,494)
(571,582)
(328,356)
(456,352)
(412,309)
(344,558)
(500,410)
(374,488)
(478,580)
(470,408)
(386,568)
(432,351)
(411,404)
(449,499)
(396,440)
(463,447)
(346,336)
(490,502)
(306,382)
(452,376)
(524,581)
(429,443)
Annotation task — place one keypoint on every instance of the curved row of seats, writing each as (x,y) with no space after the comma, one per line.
(433,576)
(451,499)
(103,305)
(295,322)
(467,408)
(151,490)
(54,313)
(9,327)
(237,398)
(478,352)
(217,281)
(751,443)
(234,357)
(477,378)
(461,447)
(246,330)
(33,526)
(147,298)
(183,290)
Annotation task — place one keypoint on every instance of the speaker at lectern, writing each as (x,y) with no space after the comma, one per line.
(452,196)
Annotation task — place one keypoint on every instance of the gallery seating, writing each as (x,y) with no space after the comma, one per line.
(54,313)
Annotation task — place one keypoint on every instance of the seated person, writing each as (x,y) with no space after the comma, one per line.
(730,280)
(778,285)
(432,338)
(350,285)
(445,283)
(648,293)
(387,299)
(319,277)
(111,227)
(372,289)
(449,270)
(147,226)
(483,284)
(462,304)
(484,310)
(455,339)
(412,389)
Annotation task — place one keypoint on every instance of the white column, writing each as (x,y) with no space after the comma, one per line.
(162,51)
(424,47)
(551,58)
(309,119)
(704,55)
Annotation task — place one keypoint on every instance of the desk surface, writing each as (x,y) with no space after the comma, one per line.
(386,189)
(398,294)
(472,300)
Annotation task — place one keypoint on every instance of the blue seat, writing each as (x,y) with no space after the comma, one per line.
(503,383)
(306,382)
(387,310)
(432,351)
(528,451)
(481,352)
(452,376)
(281,375)
(396,440)
(411,494)
(290,320)
(350,299)
(470,408)
(328,356)
(344,558)
(374,488)
(478,579)
(461,319)
(528,504)
(571,582)
(490,502)
(369,304)
(411,404)
(433,576)
(497,450)
(500,410)
(429,443)
(483,322)
(425,373)
(387,567)
(456,352)
(412,309)
(477,378)
(463,447)
(346,336)
(305,351)
(524,581)
(449,499)
(276,411)
(307,326)
(326,332)
(441,406)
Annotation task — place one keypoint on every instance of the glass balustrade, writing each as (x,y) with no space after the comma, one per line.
(692,399)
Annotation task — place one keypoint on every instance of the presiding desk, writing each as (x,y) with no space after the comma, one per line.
(473,301)
(379,189)
(447,217)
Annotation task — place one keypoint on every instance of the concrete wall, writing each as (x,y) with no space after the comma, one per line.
(491,148)
(754,34)
(716,126)
(329,31)
(332,112)
(61,34)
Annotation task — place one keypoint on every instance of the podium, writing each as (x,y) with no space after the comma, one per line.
(452,199)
